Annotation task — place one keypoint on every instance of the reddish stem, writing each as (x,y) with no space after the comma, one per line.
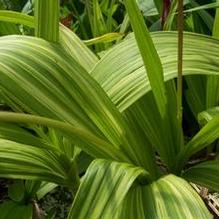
(165,11)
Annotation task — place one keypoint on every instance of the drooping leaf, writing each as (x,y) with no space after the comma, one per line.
(212,94)
(103,189)
(205,174)
(16,18)
(204,7)
(108,37)
(15,133)
(168,197)
(208,134)
(61,90)
(207,115)
(21,161)
(16,191)
(44,189)
(13,210)
(125,81)
(149,55)
(77,49)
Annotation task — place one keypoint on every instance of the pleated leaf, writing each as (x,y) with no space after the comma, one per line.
(121,71)
(168,197)
(205,174)
(212,94)
(68,39)
(14,210)
(15,133)
(46,18)
(21,161)
(42,79)
(16,18)
(149,55)
(76,48)
(208,134)
(103,189)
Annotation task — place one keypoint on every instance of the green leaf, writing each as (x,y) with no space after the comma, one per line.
(47,19)
(8,29)
(149,55)
(148,8)
(44,189)
(207,115)
(61,91)
(108,37)
(13,210)
(168,197)
(87,140)
(204,15)
(208,134)
(16,191)
(216,23)
(62,88)
(195,94)
(212,94)
(103,189)
(16,18)
(205,174)
(121,70)
(31,187)
(15,133)
(203,7)
(76,48)
(21,161)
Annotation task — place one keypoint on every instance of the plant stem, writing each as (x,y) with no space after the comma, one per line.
(62,126)
(180,60)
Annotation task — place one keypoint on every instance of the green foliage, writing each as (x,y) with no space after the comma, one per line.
(71,107)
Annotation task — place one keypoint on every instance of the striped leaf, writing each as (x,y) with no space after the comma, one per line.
(13,132)
(51,84)
(16,18)
(76,48)
(149,55)
(21,161)
(207,115)
(14,210)
(68,39)
(121,71)
(86,140)
(103,189)
(205,174)
(208,134)
(168,197)
(47,19)
(65,91)
(212,94)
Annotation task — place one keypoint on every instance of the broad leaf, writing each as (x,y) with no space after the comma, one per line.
(77,49)
(15,133)
(46,17)
(62,88)
(208,134)
(149,55)
(16,17)
(168,197)
(44,189)
(21,161)
(122,75)
(103,189)
(13,210)
(205,174)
